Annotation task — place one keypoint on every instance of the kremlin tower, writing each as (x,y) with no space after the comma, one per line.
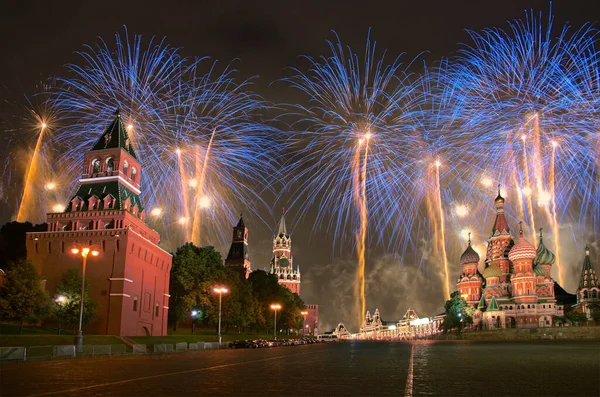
(238,256)
(130,276)
(282,260)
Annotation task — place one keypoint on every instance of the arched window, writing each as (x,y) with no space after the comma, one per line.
(585,294)
(96,166)
(110,164)
(125,167)
(133,174)
(594,294)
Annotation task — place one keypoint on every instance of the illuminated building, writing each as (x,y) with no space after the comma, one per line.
(515,288)
(130,277)
(282,262)
(408,328)
(588,290)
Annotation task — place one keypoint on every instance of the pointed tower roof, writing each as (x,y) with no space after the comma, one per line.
(588,278)
(500,224)
(115,136)
(241,221)
(282,229)
(482,304)
(544,255)
(493,305)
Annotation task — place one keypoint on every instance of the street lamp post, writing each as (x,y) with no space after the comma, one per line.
(85,251)
(194,314)
(220,291)
(304,314)
(275,307)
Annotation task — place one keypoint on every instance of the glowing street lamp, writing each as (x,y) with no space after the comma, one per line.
(220,291)
(84,251)
(275,307)
(304,314)
(194,314)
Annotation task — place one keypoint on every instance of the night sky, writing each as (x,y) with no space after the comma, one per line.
(265,38)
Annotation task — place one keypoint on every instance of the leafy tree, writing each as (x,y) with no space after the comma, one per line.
(67,300)
(458,313)
(22,297)
(194,273)
(596,316)
(576,317)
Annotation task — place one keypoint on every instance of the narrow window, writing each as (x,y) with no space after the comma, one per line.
(156,314)
(49,247)
(96,166)
(118,245)
(103,245)
(62,247)
(135,303)
(110,164)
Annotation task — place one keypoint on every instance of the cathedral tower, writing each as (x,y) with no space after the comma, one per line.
(470,281)
(282,260)
(238,257)
(130,276)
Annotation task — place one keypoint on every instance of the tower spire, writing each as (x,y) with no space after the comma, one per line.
(500,225)
(282,230)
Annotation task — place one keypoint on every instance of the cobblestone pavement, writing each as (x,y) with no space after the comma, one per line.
(336,369)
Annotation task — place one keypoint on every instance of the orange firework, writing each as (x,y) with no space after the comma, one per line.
(201,200)
(442,230)
(23,212)
(359,176)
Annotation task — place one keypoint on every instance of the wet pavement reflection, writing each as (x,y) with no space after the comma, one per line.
(337,369)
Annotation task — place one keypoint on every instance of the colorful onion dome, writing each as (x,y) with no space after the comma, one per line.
(522,249)
(470,255)
(544,256)
(539,271)
(492,271)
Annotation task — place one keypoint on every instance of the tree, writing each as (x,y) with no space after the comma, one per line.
(577,317)
(194,273)
(22,297)
(458,313)
(67,300)
(596,316)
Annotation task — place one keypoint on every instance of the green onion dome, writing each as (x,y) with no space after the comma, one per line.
(544,255)
(539,271)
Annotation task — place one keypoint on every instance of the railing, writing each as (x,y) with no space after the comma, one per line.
(50,352)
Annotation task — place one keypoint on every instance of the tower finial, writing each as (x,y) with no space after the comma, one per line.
(499,190)
(587,250)
(521,228)
(117,112)
(469,238)
(541,229)
(283,210)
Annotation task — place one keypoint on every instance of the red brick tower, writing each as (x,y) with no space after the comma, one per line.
(523,280)
(238,257)
(130,277)
(282,261)
(499,245)
(470,281)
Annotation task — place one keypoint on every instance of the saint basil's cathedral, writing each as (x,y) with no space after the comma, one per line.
(515,288)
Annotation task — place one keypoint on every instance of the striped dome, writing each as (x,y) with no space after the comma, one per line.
(543,255)
(469,256)
(539,271)
(492,271)
(522,250)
